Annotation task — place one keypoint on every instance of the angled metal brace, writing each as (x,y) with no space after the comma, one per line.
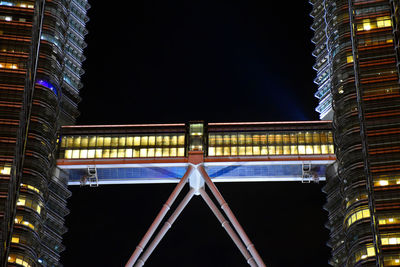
(159,218)
(194,173)
(224,206)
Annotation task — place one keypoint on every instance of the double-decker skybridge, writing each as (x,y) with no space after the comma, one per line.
(198,154)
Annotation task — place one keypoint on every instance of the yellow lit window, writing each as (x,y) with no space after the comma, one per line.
(218,139)
(211,151)
(21,202)
(75,154)
(166,140)
(278,139)
(249,151)
(256,139)
(114,141)
(174,140)
(382,183)
(99,153)
(91,153)
(121,153)
(286,150)
(129,153)
(234,140)
(113,153)
(309,150)
(227,151)
(5,170)
(152,140)
(77,141)
(84,141)
(181,140)
(92,141)
(143,152)
(100,141)
(121,141)
(136,141)
(271,150)
(181,152)
(302,150)
(129,141)
(349,59)
(234,151)
(68,154)
(83,154)
(293,150)
(165,152)
(107,141)
(218,151)
(150,152)
(172,152)
(331,149)
(241,139)
(136,153)
(15,239)
(106,153)
(264,150)
(256,150)
(317,149)
(308,137)
(242,151)
(278,150)
(158,152)
(63,141)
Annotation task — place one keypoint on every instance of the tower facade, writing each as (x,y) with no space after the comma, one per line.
(357,60)
(41,54)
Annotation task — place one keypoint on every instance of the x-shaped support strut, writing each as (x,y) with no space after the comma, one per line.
(197,176)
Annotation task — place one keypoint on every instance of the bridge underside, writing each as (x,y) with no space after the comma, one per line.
(96,172)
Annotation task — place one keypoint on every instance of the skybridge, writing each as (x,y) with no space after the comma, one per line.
(197,154)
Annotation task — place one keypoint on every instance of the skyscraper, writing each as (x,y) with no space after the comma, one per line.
(41,54)
(357,60)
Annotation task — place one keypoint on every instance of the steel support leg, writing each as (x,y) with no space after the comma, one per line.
(159,218)
(250,247)
(225,224)
(167,225)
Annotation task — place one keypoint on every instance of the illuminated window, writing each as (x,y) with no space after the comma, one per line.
(129,153)
(166,140)
(83,153)
(15,239)
(121,153)
(234,151)
(293,150)
(158,152)
(91,153)
(181,140)
(122,141)
(358,214)
(113,153)
(92,141)
(5,170)
(107,141)
(286,150)
(129,141)
(75,154)
(136,141)
(349,59)
(172,152)
(181,152)
(114,141)
(77,141)
(84,141)
(150,152)
(99,153)
(100,141)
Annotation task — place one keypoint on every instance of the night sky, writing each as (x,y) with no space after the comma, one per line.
(217,61)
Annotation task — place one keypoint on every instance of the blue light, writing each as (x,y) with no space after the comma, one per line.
(47,85)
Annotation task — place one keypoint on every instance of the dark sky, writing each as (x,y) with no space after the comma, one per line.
(175,61)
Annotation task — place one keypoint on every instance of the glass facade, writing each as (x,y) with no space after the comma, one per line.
(33,205)
(126,146)
(229,140)
(270,143)
(357,59)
